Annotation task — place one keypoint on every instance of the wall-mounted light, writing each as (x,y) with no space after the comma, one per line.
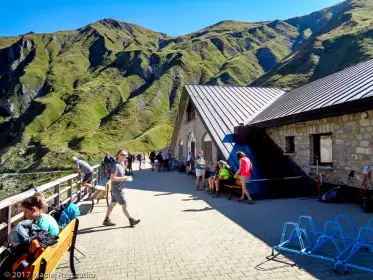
(364,115)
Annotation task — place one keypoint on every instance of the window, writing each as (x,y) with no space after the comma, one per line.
(290,145)
(323,151)
(191,115)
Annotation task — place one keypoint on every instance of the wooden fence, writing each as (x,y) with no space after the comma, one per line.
(58,192)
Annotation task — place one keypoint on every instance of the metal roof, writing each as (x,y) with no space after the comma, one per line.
(333,95)
(223,108)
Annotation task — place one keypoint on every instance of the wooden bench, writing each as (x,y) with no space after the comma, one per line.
(102,192)
(48,261)
(236,184)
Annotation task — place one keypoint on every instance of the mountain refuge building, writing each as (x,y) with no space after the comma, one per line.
(326,125)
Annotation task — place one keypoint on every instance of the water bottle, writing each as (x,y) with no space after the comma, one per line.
(22,266)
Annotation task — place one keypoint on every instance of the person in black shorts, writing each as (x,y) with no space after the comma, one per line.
(85,169)
(117,178)
(129,164)
(152,159)
(160,161)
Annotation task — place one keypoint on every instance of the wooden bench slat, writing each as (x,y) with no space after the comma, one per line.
(53,254)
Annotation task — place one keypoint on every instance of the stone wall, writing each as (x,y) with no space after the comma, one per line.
(197,128)
(352,144)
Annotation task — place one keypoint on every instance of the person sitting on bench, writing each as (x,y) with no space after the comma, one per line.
(34,209)
(223,177)
(213,177)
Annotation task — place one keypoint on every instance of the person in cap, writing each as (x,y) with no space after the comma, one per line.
(118,178)
(85,169)
(223,177)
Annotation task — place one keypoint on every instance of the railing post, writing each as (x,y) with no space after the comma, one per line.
(70,191)
(80,188)
(9,228)
(94,177)
(57,189)
(98,175)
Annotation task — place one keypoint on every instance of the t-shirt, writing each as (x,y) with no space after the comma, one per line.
(165,156)
(224,173)
(48,223)
(129,158)
(189,158)
(108,159)
(85,167)
(246,167)
(199,163)
(119,171)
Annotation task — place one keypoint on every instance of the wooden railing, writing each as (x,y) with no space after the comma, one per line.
(63,190)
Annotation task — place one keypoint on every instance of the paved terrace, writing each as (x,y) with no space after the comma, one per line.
(186,234)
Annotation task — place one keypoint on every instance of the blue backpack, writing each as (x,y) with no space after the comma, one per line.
(69,213)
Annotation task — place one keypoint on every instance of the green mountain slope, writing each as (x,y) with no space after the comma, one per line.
(113,85)
(345,39)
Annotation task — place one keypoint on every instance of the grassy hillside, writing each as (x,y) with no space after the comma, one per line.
(344,40)
(112,85)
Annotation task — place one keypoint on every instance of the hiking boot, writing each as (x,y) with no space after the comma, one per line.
(216,195)
(109,223)
(133,222)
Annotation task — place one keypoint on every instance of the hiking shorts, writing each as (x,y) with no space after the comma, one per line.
(117,195)
(245,179)
(87,178)
(200,172)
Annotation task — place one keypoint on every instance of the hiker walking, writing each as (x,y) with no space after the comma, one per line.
(108,161)
(139,158)
(189,162)
(152,157)
(130,158)
(118,178)
(166,160)
(200,170)
(245,172)
(85,169)
(160,161)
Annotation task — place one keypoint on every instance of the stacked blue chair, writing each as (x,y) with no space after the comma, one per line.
(340,233)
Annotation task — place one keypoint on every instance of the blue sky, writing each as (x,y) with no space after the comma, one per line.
(173,17)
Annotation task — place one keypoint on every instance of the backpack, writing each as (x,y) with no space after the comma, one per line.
(70,212)
(18,260)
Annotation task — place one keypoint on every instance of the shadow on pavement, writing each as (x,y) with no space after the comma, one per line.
(198,210)
(264,219)
(99,228)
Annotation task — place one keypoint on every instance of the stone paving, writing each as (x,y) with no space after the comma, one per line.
(186,234)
